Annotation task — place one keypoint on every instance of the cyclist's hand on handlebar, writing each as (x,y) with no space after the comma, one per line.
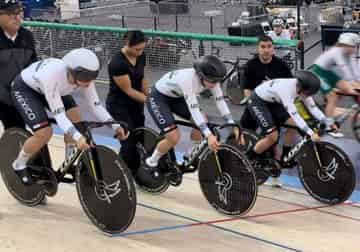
(213,142)
(315,137)
(82,144)
(120,133)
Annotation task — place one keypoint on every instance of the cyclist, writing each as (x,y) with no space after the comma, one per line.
(272,105)
(336,70)
(279,32)
(176,92)
(48,84)
(266,66)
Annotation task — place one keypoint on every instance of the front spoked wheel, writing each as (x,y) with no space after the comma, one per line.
(356,125)
(145,140)
(111,203)
(233,191)
(12,142)
(334,182)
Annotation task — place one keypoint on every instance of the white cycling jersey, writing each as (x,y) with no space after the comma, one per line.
(185,83)
(285,34)
(49,77)
(284,91)
(335,60)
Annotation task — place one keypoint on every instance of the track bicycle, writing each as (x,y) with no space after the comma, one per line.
(233,81)
(325,170)
(226,177)
(104,184)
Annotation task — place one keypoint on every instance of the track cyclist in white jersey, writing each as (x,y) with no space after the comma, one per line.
(336,70)
(48,84)
(272,105)
(176,93)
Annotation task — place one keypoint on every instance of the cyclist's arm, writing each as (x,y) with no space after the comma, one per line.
(313,109)
(198,117)
(221,104)
(94,103)
(57,107)
(299,121)
(346,67)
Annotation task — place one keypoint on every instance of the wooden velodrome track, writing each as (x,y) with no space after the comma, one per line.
(285,219)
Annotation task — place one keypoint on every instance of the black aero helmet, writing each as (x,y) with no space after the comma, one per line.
(210,68)
(307,82)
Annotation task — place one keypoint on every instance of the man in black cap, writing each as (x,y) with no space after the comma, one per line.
(17,51)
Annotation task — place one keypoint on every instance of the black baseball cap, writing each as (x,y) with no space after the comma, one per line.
(10,5)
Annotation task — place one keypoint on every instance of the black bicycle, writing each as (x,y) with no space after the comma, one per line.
(325,171)
(233,81)
(104,184)
(226,177)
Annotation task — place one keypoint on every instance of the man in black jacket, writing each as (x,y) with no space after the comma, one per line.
(17,51)
(264,66)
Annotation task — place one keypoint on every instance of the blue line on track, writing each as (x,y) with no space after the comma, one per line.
(197,221)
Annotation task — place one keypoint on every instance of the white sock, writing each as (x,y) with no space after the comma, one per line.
(154,159)
(69,149)
(21,160)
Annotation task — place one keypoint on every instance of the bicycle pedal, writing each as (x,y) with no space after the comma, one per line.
(50,187)
(175,181)
(174,178)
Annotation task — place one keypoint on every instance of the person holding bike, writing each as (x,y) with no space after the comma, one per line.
(48,84)
(128,90)
(176,93)
(272,104)
(336,70)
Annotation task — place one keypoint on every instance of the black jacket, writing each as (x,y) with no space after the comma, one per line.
(14,57)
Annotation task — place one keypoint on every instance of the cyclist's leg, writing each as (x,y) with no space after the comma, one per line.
(73,113)
(159,108)
(281,117)
(32,109)
(260,111)
(331,101)
(179,107)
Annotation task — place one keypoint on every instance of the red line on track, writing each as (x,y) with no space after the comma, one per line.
(303,208)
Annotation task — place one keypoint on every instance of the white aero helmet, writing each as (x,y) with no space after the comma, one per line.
(277,22)
(290,21)
(349,39)
(83,64)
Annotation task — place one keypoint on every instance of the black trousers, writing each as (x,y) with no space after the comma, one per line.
(10,117)
(134,118)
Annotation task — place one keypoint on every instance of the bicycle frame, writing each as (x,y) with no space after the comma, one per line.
(74,157)
(296,149)
(199,149)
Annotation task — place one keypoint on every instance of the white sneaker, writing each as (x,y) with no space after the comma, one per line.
(336,134)
(275,182)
